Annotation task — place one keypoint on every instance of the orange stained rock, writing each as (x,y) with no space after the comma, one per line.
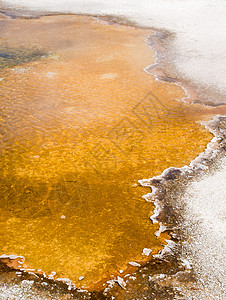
(81,123)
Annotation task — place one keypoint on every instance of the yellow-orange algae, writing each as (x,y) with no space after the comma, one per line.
(80,126)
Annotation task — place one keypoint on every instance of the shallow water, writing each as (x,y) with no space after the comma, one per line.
(196,47)
(80,125)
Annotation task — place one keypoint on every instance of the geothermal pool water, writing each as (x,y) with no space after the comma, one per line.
(196,46)
(81,123)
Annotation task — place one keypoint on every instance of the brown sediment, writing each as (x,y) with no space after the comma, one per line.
(80,125)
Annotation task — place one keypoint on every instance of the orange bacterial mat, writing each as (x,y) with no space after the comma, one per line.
(81,123)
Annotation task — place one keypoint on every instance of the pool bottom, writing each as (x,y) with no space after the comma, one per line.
(169,276)
(148,119)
